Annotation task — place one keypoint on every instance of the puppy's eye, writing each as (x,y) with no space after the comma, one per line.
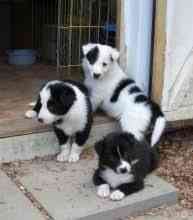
(104,64)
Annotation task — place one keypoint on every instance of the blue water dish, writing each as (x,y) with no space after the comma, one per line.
(22,57)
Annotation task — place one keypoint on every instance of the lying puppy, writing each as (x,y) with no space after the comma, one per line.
(116,94)
(65,105)
(123,164)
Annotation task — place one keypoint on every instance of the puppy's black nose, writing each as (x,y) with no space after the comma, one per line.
(96,75)
(123,170)
(40,120)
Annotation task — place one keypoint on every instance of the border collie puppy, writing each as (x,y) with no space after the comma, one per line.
(123,164)
(119,96)
(65,105)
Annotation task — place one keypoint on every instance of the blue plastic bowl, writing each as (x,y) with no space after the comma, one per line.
(22,56)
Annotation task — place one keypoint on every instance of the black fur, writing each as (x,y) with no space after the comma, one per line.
(61,136)
(38,105)
(134,89)
(130,150)
(141,98)
(122,84)
(92,55)
(60,102)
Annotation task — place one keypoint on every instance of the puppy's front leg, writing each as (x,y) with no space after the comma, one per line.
(103,189)
(126,189)
(64,142)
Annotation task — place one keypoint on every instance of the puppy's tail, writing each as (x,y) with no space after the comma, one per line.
(158,129)
(158,122)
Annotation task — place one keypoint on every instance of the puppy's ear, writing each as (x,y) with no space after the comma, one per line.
(67,98)
(128,137)
(114,54)
(86,48)
(99,146)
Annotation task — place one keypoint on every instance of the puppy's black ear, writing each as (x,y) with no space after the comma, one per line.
(99,146)
(128,137)
(67,98)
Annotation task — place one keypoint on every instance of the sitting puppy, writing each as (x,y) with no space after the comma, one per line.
(65,105)
(123,164)
(116,94)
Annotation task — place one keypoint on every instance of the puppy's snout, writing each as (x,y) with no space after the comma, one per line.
(96,75)
(40,120)
(123,170)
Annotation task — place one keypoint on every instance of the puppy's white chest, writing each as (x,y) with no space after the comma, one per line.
(114,179)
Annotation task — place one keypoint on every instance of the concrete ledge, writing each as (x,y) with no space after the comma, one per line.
(67,193)
(27,147)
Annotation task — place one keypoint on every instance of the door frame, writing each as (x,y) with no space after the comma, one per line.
(159,45)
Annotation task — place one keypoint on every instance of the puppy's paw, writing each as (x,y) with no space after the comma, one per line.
(30,114)
(74,157)
(32,104)
(117,195)
(103,190)
(62,157)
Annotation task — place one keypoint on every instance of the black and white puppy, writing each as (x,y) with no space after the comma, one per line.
(123,164)
(119,96)
(65,105)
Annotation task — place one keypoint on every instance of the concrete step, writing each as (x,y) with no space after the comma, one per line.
(25,147)
(13,204)
(66,191)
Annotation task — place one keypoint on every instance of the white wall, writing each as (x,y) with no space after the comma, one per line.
(177,99)
(137,40)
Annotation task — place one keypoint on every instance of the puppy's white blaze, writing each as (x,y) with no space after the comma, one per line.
(115,179)
(158,130)
(30,114)
(103,190)
(126,165)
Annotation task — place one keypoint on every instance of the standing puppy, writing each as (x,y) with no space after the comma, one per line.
(116,94)
(123,164)
(65,105)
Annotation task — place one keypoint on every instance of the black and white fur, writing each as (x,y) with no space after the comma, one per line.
(119,96)
(123,164)
(65,105)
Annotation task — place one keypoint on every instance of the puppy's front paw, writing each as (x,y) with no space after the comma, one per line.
(62,157)
(30,114)
(74,157)
(117,195)
(103,190)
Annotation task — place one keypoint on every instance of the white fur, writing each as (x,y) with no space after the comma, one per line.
(158,130)
(134,117)
(76,118)
(117,195)
(32,104)
(103,190)
(75,153)
(115,179)
(124,164)
(30,114)
(65,152)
